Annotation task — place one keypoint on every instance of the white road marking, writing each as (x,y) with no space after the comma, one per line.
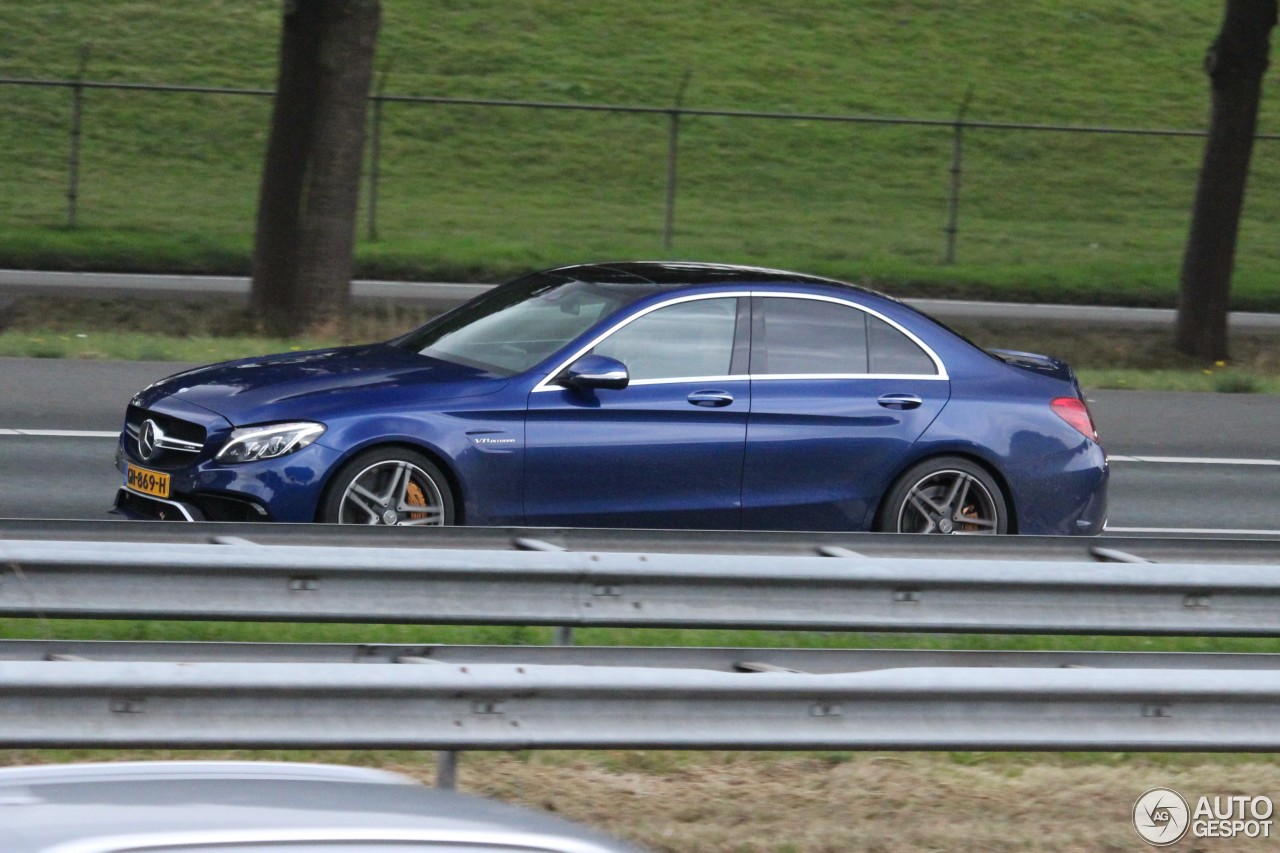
(61,433)
(1203,531)
(1155,460)
(1194,460)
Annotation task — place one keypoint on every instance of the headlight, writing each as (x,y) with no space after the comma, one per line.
(268,442)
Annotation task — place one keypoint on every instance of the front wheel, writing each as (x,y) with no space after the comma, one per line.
(392,486)
(945,495)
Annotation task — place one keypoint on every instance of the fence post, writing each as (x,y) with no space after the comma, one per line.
(673,148)
(73,158)
(375,153)
(957,153)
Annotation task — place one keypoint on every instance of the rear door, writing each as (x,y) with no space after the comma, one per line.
(838,396)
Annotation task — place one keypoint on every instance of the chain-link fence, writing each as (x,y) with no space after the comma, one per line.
(607,177)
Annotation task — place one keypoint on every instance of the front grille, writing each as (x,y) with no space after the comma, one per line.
(176,442)
(134,505)
(227,508)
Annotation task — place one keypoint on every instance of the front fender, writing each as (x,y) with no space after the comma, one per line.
(483,458)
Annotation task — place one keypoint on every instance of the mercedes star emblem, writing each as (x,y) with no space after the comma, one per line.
(148,437)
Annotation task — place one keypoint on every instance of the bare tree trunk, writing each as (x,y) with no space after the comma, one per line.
(275,246)
(1235,62)
(304,245)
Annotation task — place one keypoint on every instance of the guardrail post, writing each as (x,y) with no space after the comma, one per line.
(957,154)
(673,153)
(447,769)
(73,158)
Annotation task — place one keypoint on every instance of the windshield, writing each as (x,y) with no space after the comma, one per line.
(513,327)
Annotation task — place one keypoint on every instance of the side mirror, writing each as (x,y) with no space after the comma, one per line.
(595,371)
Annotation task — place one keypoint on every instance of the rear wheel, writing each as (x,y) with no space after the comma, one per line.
(948,495)
(391,486)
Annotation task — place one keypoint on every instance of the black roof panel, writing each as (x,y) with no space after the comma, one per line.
(680,273)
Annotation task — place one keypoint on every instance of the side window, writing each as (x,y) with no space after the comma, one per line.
(893,352)
(686,339)
(808,336)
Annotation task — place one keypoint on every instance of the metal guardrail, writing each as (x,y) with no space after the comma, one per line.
(848,592)
(223,695)
(504,706)
(823,661)
(1166,548)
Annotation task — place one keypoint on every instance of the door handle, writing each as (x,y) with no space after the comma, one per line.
(711,399)
(900,401)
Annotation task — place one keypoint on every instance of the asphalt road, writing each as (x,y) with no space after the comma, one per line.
(1181,461)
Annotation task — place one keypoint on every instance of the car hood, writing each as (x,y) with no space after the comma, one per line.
(311,384)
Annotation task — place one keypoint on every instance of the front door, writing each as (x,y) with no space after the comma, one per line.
(667,450)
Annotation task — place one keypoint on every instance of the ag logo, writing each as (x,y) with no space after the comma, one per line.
(1161,816)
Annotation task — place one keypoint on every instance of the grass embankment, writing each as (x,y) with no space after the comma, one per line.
(169,182)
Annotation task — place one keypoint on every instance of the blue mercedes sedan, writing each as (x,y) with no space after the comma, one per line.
(661,395)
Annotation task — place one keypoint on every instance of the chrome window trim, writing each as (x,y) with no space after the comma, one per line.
(923,377)
(210,840)
(685,380)
(941,376)
(771,377)
(544,384)
(928,350)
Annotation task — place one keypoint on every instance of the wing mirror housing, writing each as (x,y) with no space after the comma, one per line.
(595,371)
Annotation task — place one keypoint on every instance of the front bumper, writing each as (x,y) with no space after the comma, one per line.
(287,489)
(137,506)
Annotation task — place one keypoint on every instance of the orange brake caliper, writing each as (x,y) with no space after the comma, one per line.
(414,496)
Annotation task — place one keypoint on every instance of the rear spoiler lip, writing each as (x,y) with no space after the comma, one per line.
(1037,363)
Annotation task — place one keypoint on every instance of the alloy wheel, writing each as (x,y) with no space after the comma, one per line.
(948,502)
(392,492)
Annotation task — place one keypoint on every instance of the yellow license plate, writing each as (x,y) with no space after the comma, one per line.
(147,482)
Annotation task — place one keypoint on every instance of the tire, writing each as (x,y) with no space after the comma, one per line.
(946,494)
(385,486)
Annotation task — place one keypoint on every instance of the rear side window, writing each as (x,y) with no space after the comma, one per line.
(815,337)
(807,336)
(893,352)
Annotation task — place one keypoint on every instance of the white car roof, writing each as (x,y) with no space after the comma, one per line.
(135,807)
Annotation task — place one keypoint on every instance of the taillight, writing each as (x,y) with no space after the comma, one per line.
(1074,411)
